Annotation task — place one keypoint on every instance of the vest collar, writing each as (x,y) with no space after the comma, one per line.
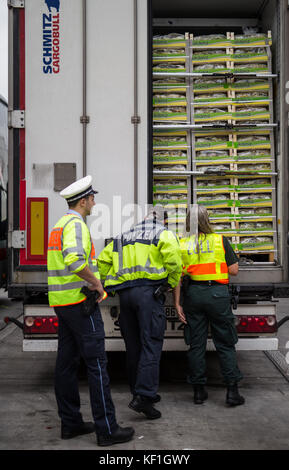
(72,212)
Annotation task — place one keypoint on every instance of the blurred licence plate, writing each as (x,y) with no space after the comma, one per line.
(173,322)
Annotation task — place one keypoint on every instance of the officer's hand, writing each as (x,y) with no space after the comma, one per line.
(181,314)
(98,287)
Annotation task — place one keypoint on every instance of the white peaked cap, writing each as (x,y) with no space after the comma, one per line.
(78,189)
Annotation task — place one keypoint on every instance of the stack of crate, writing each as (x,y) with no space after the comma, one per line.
(171,149)
(235,143)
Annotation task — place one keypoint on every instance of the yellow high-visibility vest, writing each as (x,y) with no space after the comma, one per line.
(207,265)
(148,253)
(70,249)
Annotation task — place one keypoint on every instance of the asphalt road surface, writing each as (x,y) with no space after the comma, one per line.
(29,420)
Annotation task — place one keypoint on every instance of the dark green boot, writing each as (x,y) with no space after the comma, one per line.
(233,397)
(200,394)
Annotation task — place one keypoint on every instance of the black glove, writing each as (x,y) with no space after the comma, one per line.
(160,292)
(88,306)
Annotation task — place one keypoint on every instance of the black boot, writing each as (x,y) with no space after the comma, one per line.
(119,436)
(154,399)
(200,394)
(79,430)
(233,397)
(144,405)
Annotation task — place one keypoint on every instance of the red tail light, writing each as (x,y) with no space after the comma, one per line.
(256,324)
(40,325)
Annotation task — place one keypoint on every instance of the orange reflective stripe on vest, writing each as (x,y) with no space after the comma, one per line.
(206,268)
(54,243)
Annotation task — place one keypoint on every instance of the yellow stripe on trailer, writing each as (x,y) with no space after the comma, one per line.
(37,224)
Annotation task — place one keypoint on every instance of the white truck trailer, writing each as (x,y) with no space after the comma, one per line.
(3,190)
(160,101)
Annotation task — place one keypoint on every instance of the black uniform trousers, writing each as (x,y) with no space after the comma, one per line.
(206,305)
(142,322)
(82,336)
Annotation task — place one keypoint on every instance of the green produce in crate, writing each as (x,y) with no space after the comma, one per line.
(220,213)
(201,84)
(258,183)
(254,199)
(211,68)
(249,84)
(213,183)
(171,40)
(211,142)
(169,141)
(247,96)
(252,39)
(209,114)
(169,67)
(170,99)
(256,226)
(168,52)
(251,67)
(165,157)
(249,54)
(170,113)
(252,155)
(210,55)
(251,113)
(256,243)
(216,168)
(211,39)
(252,141)
(170,168)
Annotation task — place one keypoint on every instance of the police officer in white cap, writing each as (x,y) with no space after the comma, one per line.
(71,264)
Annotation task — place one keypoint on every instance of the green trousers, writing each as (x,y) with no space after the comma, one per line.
(204,306)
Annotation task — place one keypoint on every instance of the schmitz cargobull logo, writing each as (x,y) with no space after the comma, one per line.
(51,37)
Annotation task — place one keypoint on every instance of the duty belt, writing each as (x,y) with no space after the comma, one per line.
(205,283)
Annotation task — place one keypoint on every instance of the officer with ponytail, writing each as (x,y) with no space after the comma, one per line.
(208,260)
